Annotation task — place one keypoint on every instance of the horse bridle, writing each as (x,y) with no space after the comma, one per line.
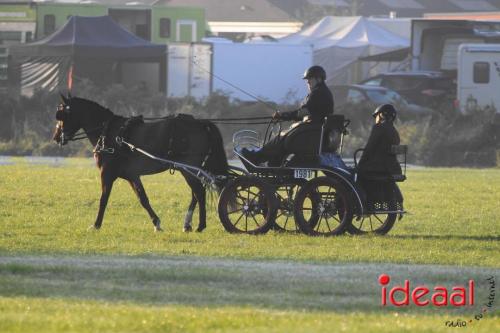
(64,138)
(75,137)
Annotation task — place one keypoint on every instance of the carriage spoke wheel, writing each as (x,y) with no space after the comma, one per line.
(285,220)
(323,207)
(247,205)
(379,224)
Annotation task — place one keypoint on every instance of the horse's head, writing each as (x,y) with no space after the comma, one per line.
(68,122)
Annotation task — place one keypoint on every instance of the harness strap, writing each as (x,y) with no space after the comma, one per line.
(209,152)
(127,125)
(100,146)
(213,119)
(83,135)
(170,127)
(205,177)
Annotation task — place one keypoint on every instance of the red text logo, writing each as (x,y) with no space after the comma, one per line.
(424,296)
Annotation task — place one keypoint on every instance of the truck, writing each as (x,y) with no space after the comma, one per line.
(465,51)
(435,43)
(478,77)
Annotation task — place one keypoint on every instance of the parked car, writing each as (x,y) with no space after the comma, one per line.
(429,89)
(365,98)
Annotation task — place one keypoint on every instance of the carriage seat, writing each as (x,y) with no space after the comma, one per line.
(333,129)
(304,139)
(312,139)
(400,152)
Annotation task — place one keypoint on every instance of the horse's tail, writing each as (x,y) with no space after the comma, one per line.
(216,162)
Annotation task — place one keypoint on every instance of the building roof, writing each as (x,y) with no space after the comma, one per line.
(114,2)
(484,16)
(417,8)
(235,10)
(288,10)
(15,1)
(403,8)
(104,2)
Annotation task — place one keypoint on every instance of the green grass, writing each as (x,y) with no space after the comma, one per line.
(454,220)
(206,281)
(116,294)
(41,315)
(55,276)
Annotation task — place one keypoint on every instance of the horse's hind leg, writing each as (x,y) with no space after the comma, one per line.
(143,198)
(201,197)
(199,193)
(189,215)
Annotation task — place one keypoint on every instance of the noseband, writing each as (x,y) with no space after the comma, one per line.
(65,138)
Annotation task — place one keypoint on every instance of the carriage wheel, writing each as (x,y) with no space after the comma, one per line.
(379,224)
(284,217)
(247,205)
(323,207)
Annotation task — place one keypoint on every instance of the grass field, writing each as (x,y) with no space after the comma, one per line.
(56,276)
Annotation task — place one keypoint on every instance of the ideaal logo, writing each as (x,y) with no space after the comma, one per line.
(457,296)
(423,296)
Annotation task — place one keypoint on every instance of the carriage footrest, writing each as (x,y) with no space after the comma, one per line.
(385,178)
(388,212)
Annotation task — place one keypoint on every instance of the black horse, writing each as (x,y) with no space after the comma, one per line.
(181,139)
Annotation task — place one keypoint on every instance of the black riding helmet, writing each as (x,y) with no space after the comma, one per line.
(315,71)
(388,111)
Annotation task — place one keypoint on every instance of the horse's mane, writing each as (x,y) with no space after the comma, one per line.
(93,105)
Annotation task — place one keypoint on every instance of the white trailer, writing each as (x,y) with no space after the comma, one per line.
(188,70)
(478,82)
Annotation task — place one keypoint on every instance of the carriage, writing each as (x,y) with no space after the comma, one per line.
(312,190)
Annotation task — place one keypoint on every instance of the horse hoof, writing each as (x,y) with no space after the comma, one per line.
(93,227)
(187,228)
(158,229)
(200,229)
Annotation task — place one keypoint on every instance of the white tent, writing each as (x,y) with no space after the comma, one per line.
(338,43)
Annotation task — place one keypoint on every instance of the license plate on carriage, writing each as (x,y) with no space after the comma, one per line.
(303,173)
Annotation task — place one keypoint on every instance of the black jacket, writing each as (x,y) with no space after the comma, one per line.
(377,157)
(318,104)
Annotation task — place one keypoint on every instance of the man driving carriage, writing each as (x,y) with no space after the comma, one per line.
(317,105)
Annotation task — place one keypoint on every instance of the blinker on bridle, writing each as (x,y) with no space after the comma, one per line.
(62,138)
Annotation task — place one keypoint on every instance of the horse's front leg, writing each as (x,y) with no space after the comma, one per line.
(189,215)
(106,186)
(143,198)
